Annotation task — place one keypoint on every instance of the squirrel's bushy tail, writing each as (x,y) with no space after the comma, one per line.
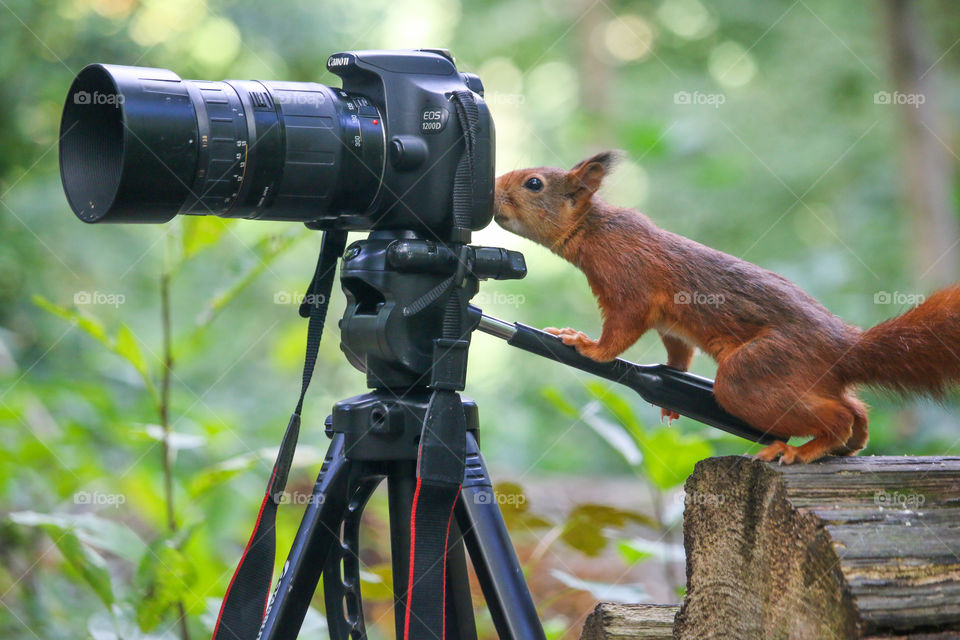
(917,352)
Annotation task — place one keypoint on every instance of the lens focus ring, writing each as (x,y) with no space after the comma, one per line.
(222,148)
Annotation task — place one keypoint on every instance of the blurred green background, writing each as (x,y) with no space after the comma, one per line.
(814,138)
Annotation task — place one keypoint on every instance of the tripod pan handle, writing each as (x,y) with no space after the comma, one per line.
(685,393)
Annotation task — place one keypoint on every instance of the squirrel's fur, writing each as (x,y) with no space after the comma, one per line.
(786,364)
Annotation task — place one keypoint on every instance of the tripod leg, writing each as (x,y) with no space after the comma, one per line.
(341,590)
(401,484)
(460,621)
(494,560)
(318,533)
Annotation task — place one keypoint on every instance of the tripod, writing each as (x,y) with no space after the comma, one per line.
(405,295)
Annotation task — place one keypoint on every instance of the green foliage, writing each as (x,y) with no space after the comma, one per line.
(165,572)
(89,564)
(663,454)
(123,343)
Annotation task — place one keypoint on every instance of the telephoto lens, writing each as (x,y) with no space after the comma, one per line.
(139,144)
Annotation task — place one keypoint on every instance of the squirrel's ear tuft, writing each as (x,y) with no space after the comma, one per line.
(588,174)
(607,159)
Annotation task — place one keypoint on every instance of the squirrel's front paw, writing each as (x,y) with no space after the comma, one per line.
(584,345)
(570,337)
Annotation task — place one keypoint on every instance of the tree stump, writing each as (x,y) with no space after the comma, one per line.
(630,622)
(841,548)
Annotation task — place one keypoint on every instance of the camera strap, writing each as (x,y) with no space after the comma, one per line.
(441,459)
(246,602)
(468,113)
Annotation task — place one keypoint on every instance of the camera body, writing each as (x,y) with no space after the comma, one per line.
(424,139)
(142,145)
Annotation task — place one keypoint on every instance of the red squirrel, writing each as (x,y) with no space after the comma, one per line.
(786,365)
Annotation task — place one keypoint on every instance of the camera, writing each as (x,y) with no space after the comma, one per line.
(379,153)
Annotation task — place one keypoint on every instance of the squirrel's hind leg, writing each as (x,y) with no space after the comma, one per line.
(858,439)
(829,420)
(781,406)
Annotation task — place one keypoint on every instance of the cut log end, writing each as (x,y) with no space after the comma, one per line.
(634,621)
(845,548)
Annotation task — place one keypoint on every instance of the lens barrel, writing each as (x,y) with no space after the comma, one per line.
(139,144)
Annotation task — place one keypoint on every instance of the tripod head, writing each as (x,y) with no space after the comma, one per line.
(404,292)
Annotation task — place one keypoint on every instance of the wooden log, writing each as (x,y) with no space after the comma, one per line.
(841,548)
(630,621)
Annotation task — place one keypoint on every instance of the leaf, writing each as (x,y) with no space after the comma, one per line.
(637,549)
(106,535)
(669,456)
(220,473)
(586,526)
(607,592)
(615,434)
(306,456)
(128,348)
(125,344)
(88,323)
(89,564)
(515,508)
(265,251)
(556,398)
(618,406)
(631,555)
(200,232)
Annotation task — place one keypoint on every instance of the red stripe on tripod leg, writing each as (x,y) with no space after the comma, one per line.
(413,539)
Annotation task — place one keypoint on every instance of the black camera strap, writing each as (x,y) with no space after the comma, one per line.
(468,113)
(441,460)
(246,601)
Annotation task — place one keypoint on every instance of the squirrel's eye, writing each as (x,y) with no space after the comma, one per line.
(533,184)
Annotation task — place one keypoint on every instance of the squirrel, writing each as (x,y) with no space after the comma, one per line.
(786,365)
